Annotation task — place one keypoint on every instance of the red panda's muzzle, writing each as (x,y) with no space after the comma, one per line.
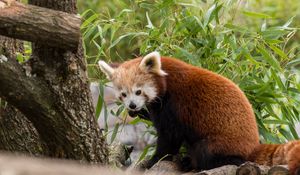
(144,114)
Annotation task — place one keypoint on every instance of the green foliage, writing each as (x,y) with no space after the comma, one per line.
(22,57)
(257,49)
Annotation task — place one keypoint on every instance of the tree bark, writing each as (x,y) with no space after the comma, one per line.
(279,169)
(64,72)
(33,23)
(252,168)
(16,132)
(55,88)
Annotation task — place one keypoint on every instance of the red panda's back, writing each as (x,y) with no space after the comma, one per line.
(213,106)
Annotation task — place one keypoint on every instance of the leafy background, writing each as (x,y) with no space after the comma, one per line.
(254,43)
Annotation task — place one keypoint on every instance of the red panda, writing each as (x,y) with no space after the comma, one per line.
(195,106)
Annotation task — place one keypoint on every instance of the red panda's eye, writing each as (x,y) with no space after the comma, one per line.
(138,92)
(123,94)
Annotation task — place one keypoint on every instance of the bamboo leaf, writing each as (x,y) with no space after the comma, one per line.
(115,131)
(256,15)
(269,58)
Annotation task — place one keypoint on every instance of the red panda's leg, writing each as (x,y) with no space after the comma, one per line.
(167,145)
(203,159)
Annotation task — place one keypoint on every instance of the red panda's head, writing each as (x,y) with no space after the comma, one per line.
(137,82)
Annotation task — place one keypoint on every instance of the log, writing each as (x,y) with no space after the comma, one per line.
(250,168)
(279,170)
(164,167)
(38,24)
(13,165)
(225,170)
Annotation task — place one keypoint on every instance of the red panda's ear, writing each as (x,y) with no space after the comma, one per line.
(152,63)
(107,69)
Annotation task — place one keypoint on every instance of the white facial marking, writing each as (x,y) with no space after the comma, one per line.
(138,99)
(150,90)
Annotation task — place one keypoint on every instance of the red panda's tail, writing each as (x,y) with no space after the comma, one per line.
(275,154)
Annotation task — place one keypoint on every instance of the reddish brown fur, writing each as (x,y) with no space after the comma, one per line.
(293,157)
(275,154)
(134,74)
(216,109)
(223,111)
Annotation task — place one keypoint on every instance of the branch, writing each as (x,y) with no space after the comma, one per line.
(65,137)
(23,91)
(31,97)
(37,24)
(17,133)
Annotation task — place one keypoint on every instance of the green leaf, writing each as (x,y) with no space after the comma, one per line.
(127,35)
(278,51)
(89,21)
(273,33)
(269,58)
(236,28)
(20,57)
(100,101)
(265,99)
(278,80)
(281,122)
(135,121)
(125,11)
(295,90)
(293,131)
(86,12)
(120,110)
(144,153)
(286,134)
(115,131)
(212,13)
(293,63)
(287,24)
(256,15)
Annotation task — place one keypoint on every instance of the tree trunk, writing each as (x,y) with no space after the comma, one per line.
(65,74)
(16,132)
(55,88)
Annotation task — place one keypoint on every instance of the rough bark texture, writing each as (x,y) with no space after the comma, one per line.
(225,170)
(34,23)
(252,168)
(16,132)
(64,72)
(53,93)
(279,170)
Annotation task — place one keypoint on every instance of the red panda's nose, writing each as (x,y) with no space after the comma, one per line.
(132,105)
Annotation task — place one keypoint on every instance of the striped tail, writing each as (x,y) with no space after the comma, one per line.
(278,154)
